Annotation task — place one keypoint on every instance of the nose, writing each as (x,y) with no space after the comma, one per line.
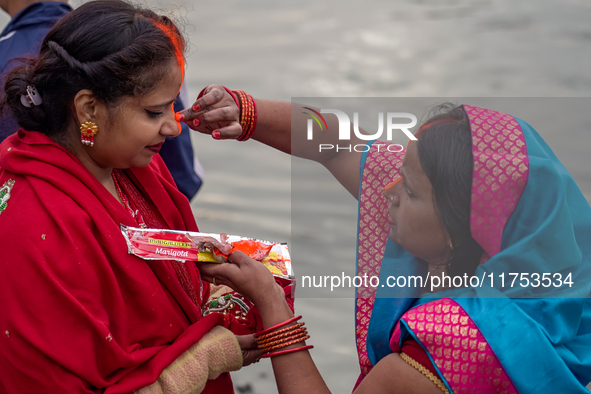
(392,192)
(392,196)
(170,127)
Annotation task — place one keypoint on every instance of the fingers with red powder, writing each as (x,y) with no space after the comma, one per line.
(215,112)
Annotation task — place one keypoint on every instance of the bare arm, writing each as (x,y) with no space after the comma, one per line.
(283,126)
(393,375)
(296,373)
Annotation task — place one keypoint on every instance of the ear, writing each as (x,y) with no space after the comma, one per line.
(87,107)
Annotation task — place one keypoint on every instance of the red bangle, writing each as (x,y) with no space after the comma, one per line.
(245,113)
(287,351)
(265,331)
(248,115)
(254,122)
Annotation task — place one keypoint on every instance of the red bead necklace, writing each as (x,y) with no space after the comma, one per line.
(135,213)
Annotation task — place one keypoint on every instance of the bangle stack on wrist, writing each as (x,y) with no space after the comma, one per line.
(275,337)
(248,114)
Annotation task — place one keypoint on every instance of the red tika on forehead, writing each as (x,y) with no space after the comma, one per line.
(176,40)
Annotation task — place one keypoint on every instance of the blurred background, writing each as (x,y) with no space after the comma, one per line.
(338,48)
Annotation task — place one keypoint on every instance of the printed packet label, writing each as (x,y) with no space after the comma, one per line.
(157,244)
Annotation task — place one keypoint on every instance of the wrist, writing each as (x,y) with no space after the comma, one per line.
(274,309)
(269,295)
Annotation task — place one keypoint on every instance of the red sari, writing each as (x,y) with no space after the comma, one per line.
(79,314)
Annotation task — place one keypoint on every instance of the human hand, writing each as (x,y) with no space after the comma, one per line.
(245,275)
(214,113)
(250,351)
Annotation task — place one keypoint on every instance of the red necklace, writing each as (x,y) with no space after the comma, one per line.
(135,213)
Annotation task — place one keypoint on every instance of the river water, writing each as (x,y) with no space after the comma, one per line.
(280,50)
(337,48)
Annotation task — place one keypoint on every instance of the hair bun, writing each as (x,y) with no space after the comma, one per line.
(18,91)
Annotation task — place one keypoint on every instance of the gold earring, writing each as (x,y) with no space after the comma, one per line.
(87,132)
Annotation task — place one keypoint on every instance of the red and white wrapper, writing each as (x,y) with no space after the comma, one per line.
(156,244)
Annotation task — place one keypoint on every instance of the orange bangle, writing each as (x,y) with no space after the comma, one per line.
(248,114)
(288,338)
(272,334)
(285,344)
(284,335)
(248,119)
(252,118)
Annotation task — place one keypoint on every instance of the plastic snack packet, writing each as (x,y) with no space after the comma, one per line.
(156,244)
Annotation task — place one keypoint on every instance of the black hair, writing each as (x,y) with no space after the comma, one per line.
(110,47)
(445,153)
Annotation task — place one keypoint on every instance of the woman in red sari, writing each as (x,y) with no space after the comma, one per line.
(79,314)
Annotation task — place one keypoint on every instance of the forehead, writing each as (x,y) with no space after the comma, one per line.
(411,160)
(412,170)
(165,90)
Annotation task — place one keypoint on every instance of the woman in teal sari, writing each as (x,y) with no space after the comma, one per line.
(529,218)
(483,196)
